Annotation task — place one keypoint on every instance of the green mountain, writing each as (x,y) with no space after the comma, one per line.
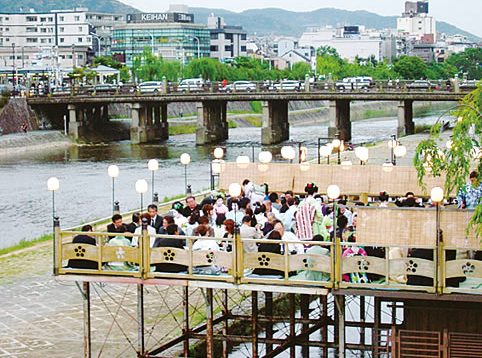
(256,21)
(290,23)
(47,5)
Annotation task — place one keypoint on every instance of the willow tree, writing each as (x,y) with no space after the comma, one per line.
(462,155)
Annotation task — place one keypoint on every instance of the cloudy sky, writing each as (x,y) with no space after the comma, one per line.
(465,14)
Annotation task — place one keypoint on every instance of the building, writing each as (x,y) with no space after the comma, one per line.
(306,55)
(52,39)
(172,35)
(101,25)
(351,42)
(416,23)
(227,42)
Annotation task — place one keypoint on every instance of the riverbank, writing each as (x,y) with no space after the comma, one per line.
(25,143)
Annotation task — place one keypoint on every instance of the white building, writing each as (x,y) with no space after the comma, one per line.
(43,39)
(350,43)
(102,25)
(286,44)
(227,42)
(416,23)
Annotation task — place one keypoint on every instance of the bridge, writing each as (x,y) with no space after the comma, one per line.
(149,112)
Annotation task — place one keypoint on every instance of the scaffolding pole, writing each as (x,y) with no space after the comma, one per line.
(210,325)
(305,314)
(254,323)
(225,323)
(87,326)
(268,307)
(340,308)
(140,321)
(185,310)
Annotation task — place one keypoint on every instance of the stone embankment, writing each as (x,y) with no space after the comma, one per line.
(25,143)
(14,114)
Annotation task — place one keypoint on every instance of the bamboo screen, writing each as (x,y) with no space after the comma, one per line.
(413,226)
(352,180)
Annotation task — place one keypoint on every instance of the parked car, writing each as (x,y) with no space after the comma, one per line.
(420,84)
(154,87)
(468,85)
(191,85)
(105,88)
(355,83)
(240,86)
(287,85)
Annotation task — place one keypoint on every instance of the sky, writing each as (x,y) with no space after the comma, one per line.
(465,14)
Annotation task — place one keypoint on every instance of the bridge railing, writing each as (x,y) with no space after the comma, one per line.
(216,87)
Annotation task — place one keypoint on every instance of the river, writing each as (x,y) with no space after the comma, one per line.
(85,188)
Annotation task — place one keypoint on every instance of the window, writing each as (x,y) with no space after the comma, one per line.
(214,36)
(31,29)
(61,29)
(227,48)
(7,29)
(243,48)
(7,39)
(61,18)
(31,39)
(51,19)
(80,28)
(214,48)
(43,41)
(7,18)
(243,36)
(43,30)
(62,39)
(31,18)
(77,18)
(81,56)
(43,19)
(79,39)
(228,36)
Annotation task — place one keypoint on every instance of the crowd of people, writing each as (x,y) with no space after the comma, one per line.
(296,221)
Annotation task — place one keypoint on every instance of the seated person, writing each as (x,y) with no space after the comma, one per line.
(136,222)
(84,239)
(205,245)
(353,250)
(409,201)
(312,275)
(166,221)
(170,242)
(146,220)
(273,248)
(119,265)
(248,232)
(117,226)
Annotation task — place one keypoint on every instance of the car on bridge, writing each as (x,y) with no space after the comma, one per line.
(191,85)
(239,86)
(287,85)
(355,83)
(154,87)
(468,85)
(105,88)
(420,85)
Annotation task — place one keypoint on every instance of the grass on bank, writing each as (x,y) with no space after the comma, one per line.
(24,244)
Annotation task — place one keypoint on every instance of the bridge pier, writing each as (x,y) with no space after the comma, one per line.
(276,127)
(76,121)
(212,124)
(138,124)
(340,119)
(406,126)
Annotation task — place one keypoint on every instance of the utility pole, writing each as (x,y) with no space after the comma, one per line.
(13,69)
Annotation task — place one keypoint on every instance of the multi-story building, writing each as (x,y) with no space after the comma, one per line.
(227,42)
(172,35)
(52,39)
(416,23)
(350,42)
(101,25)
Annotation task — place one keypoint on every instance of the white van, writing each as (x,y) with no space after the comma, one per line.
(151,87)
(191,85)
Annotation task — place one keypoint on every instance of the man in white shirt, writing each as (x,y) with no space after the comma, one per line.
(248,232)
(293,248)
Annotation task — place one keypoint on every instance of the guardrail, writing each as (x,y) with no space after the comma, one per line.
(437,269)
(257,87)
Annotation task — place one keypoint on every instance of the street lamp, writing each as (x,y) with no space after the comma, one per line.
(113,172)
(338,145)
(325,151)
(13,69)
(265,157)
(387,166)
(98,42)
(53,185)
(141,188)
(153,166)
(399,151)
(362,154)
(185,160)
(242,161)
(288,153)
(218,153)
(195,38)
(437,196)
(392,143)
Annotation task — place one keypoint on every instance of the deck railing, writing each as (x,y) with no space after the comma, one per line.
(428,268)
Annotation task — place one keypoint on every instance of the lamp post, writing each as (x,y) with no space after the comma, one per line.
(185,160)
(215,165)
(153,166)
(73,56)
(53,185)
(234,191)
(399,151)
(98,42)
(141,188)
(13,69)
(195,38)
(242,161)
(265,157)
(362,154)
(392,143)
(333,192)
(325,151)
(113,172)
(437,196)
(338,145)
(288,153)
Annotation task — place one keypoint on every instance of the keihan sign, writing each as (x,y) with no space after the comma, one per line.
(160,17)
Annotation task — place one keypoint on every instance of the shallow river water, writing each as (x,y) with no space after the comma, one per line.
(85,188)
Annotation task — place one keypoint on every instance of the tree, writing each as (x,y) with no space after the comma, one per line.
(444,70)
(207,68)
(457,161)
(410,68)
(327,51)
(469,62)
(326,65)
(148,67)
(299,71)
